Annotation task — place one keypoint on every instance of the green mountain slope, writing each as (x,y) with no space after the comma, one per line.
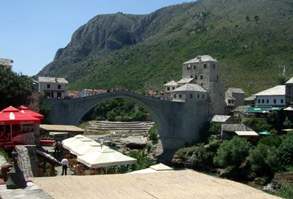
(252,40)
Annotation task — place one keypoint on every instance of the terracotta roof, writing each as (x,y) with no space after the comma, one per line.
(200,58)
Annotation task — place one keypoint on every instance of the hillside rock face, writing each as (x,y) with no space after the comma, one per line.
(144,51)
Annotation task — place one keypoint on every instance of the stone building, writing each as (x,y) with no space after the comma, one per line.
(52,87)
(234,97)
(6,62)
(200,78)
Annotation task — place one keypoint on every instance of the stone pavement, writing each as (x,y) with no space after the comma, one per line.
(32,191)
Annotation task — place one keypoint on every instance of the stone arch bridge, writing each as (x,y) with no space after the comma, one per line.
(178,123)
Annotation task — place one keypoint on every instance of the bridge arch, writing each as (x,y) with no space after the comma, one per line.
(138,99)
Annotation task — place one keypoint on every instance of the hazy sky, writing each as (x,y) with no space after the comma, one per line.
(32,30)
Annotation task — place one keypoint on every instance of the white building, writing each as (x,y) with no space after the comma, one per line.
(52,87)
(271,97)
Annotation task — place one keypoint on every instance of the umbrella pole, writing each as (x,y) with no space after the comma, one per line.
(11,132)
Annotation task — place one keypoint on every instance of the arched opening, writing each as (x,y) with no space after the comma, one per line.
(125,123)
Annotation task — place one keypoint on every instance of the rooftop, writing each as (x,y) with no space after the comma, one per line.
(200,58)
(52,80)
(275,91)
(190,87)
(6,62)
(220,118)
(290,81)
(235,127)
(185,81)
(235,90)
(66,128)
(171,83)
(179,184)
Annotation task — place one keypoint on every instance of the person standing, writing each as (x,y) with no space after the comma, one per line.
(64,163)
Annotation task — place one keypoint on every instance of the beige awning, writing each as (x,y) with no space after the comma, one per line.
(104,158)
(62,128)
(246,133)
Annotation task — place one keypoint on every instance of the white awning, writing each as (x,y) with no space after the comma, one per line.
(246,133)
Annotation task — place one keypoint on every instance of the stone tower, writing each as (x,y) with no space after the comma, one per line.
(204,70)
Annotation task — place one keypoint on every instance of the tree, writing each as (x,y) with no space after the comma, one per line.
(232,153)
(286,150)
(14,88)
(264,159)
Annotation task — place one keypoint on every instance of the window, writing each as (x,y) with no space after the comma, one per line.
(173,88)
(262,101)
(282,101)
(202,96)
(174,95)
(168,88)
(48,94)
(201,77)
(198,96)
(194,67)
(59,86)
(205,66)
(195,77)
(190,95)
(180,95)
(268,101)
(214,66)
(48,85)
(201,84)
(258,101)
(58,94)
(191,76)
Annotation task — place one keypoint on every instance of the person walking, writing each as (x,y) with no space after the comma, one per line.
(64,163)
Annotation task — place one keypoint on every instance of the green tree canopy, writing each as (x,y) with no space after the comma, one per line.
(232,153)
(14,88)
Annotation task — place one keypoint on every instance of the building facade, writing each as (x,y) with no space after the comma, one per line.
(6,62)
(52,87)
(274,96)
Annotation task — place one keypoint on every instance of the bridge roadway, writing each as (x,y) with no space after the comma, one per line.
(178,123)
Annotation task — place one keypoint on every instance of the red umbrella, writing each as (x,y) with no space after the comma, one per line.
(11,115)
(27,111)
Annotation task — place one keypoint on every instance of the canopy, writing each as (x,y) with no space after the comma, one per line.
(77,148)
(87,148)
(264,133)
(105,158)
(288,109)
(11,115)
(262,109)
(68,143)
(246,133)
(27,111)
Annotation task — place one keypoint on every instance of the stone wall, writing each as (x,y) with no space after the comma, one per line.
(27,160)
